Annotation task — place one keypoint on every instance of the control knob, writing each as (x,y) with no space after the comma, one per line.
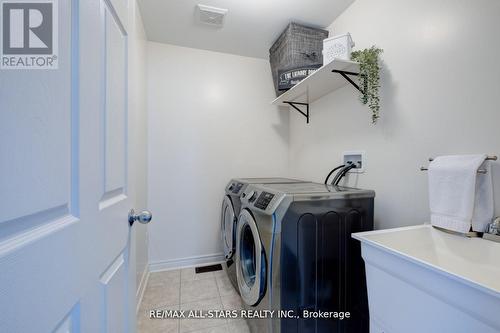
(252,195)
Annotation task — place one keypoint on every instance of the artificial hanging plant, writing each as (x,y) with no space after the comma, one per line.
(369,78)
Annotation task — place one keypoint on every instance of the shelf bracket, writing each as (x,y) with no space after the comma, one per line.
(295,106)
(345,76)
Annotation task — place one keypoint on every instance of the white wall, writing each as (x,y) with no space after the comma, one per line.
(210,119)
(138,136)
(440,88)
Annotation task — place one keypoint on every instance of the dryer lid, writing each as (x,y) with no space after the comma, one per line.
(271,180)
(267,198)
(303,188)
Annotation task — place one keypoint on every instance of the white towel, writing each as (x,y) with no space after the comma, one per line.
(484,206)
(460,198)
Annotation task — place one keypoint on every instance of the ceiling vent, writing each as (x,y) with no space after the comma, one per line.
(211,15)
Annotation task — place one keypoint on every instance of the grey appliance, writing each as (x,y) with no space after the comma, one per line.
(295,253)
(231,206)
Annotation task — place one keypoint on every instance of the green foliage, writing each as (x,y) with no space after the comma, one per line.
(369,78)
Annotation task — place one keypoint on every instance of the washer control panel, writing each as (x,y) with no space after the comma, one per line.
(259,198)
(235,188)
(264,200)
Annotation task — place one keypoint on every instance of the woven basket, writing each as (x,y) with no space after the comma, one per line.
(299,47)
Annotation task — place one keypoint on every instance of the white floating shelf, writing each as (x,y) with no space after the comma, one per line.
(319,84)
(325,80)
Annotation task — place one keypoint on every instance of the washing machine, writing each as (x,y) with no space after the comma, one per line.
(231,206)
(295,254)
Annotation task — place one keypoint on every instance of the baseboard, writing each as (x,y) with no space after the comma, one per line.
(185,262)
(142,287)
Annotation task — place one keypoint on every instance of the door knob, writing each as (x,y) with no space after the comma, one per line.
(143,217)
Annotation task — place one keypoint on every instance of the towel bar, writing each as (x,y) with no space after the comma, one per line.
(488,158)
(481,171)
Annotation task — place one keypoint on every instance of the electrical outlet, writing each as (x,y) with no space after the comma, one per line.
(354,157)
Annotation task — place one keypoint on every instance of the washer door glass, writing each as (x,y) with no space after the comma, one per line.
(247,256)
(251,260)
(228,221)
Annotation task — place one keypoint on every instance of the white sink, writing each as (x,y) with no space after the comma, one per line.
(421,279)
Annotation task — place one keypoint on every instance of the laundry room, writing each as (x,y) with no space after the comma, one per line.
(217,166)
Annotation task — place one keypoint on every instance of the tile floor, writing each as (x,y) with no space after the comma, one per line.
(185,290)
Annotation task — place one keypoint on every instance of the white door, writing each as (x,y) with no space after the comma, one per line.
(64,234)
